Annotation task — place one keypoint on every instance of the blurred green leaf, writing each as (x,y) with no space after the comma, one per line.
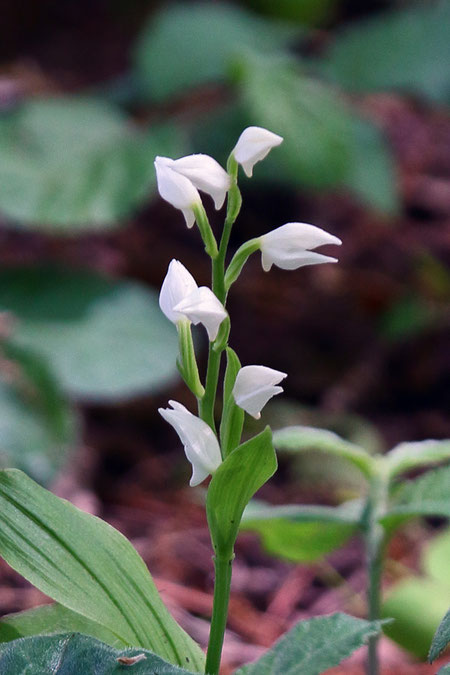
(104,340)
(417,605)
(309,12)
(407,456)
(86,565)
(441,638)
(445,670)
(300,439)
(71,164)
(436,559)
(185,46)
(407,50)
(302,533)
(37,425)
(313,646)
(54,618)
(407,317)
(326,145)
(240,475)
(428,495)
(73,654)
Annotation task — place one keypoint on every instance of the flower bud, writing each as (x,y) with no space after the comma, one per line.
(176,189)
(253,145)
(200,443)
(202,306)
(205,174)
(288,247)
(254,386)
(177,285)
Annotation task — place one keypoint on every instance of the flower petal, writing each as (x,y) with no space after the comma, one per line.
(253,145)
(205,174)
(177,285)
(254,386)
(202,306)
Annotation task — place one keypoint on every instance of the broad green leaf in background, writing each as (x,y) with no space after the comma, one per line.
(104,340)
(441,638)
(234,483)
(73,654)
(68,164)
(309,12)
(50,619)
(326,145)
(186,46)
(428,495)
(313,646)
(300,439)
(37,425)
(299,533)
(417,605)
(436,559)
(407,50)
(445,670)
(89,567)
(407,456)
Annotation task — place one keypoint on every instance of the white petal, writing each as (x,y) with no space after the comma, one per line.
(200,443)
(254,386)
(253,145)
(202,306)
(177,285)
(175,188)
(206,174)
(289,246)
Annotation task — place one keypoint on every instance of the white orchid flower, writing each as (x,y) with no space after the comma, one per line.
(177,189)
(289,246)
(253,145)
(202,306)
(204,173)
(177,285)
(200,443)
(254,386)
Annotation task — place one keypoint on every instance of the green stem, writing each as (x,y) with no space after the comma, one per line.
(222,585)
(375,547)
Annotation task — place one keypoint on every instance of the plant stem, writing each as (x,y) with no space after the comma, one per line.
(222,584)
(375,546)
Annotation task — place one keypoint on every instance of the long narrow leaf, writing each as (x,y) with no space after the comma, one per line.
(86,565)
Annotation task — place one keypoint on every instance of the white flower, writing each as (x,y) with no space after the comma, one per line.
(200,443)
(202,306)
(177,285)
(177,189)
(253,145)
(254,386)
(204,173)
(289,246)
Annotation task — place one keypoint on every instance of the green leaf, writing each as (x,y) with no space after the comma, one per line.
(104,340)
(37,426)
(73,654)
(234,483)
(74,164)
(417,605)
(436,558)
(89,567)
(232,415)
(441,638)
(445,670)
(313,646)
(300,439)
(428,495)
(325,144)
(407,456)
(54,618)
(186,46)
(300,533)
(407,50)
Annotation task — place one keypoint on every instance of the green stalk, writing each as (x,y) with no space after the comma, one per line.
(222,585)
(375,548)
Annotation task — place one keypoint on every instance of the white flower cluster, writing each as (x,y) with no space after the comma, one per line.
(183,301)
